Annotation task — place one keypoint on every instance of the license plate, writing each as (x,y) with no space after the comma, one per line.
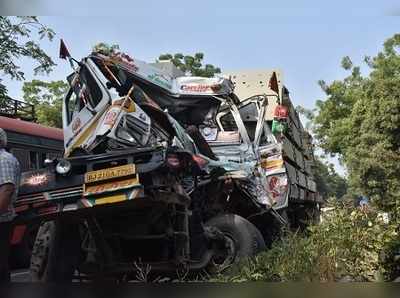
(106,174)
(110,186)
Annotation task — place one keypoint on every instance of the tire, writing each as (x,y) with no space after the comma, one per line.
(40,252)
(56,252)
(242,240)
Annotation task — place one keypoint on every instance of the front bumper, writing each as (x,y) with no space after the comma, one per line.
(56,195)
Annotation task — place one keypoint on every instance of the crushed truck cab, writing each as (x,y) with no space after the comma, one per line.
(173,171)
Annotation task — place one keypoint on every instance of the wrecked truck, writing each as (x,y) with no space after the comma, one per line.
(152,176)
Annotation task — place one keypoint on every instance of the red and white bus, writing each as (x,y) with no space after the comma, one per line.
(31,144)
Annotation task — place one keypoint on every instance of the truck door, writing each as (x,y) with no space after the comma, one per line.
(83,104)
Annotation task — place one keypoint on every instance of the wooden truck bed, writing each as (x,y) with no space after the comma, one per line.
(296,142)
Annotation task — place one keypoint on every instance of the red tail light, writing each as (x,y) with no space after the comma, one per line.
(281,112)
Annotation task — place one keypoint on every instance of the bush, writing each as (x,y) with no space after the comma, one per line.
(349,244)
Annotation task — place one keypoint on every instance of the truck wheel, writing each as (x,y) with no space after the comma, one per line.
(56,252)
(242,240)
(40,251)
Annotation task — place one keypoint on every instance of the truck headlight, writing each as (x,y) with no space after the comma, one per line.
(63,167)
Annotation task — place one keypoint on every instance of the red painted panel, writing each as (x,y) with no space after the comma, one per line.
(29,128)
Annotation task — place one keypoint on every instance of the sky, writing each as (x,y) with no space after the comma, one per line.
(305,39)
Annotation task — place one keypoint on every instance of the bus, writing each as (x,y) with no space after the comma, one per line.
(31,144)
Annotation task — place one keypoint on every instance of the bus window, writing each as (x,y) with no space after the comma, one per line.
(42,158)
(33,162)
(23,158)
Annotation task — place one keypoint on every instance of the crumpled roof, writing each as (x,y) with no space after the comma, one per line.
(174,86)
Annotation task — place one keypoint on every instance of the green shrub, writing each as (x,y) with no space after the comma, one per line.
(349,244)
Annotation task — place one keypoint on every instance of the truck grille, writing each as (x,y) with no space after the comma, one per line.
(73,192)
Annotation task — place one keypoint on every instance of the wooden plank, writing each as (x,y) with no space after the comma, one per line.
(311,184)
(294,133)
(292,153)
(307,145)
(291,172)
(299,159)
(294,191)
(301,179)
(302,194)
(297,177)
(307,166)
(288,149)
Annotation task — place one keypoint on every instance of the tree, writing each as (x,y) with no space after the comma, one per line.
(47,97)
(329,183)
(191,64)
(16,42)
(360,121)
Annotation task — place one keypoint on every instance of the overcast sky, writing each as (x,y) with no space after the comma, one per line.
(306,39)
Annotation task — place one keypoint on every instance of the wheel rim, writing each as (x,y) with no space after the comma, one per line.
(225,254)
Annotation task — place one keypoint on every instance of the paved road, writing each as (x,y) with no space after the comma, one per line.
(20,276)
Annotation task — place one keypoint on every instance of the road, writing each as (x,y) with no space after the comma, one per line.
(20,276)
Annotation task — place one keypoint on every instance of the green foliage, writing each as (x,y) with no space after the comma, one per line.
(350,244)
(16,42)
(329,183)
(360,121)
(191,64)
(47,98)
(105,48)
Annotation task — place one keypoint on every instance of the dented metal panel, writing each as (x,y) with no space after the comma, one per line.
(251,83)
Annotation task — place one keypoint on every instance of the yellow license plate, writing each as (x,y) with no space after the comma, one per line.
(106,174)
(110,186)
